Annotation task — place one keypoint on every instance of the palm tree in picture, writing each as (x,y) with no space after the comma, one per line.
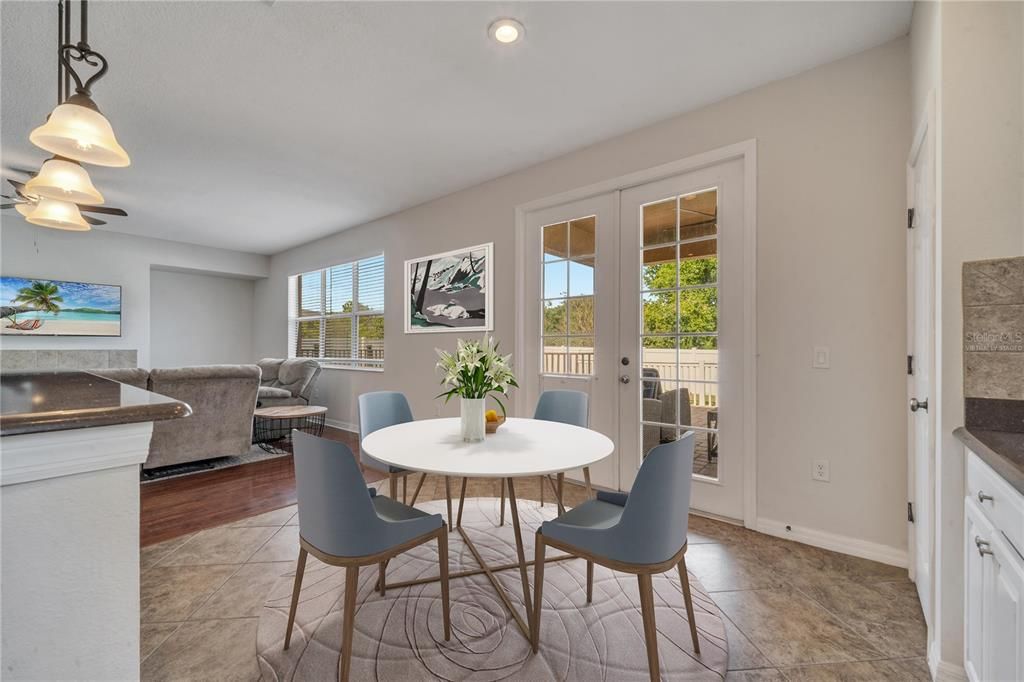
(44,296)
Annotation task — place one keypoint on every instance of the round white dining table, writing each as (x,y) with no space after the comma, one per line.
(519,449)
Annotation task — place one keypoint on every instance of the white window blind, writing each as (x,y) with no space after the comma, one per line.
(336,315)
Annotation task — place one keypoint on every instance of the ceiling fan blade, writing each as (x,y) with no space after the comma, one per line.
(107,210)
(2,206)
(94,221)
(16,185)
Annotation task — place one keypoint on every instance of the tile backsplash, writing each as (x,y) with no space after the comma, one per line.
(17,360)
(993,296)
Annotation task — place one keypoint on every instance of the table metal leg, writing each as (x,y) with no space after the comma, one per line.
(520,554)
(462,502)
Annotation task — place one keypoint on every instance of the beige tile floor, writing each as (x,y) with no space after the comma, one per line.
(792,612)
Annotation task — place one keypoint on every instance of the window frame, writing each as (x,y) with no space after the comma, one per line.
(353,362)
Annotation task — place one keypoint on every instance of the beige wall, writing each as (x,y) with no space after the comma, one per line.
(109,258)
(831,151)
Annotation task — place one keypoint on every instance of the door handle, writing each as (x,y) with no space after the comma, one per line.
(624,379)
(982,545)
(916,404)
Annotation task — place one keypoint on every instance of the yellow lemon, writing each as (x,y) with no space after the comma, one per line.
(491,415)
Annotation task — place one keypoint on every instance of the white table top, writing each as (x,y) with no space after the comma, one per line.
(521,447)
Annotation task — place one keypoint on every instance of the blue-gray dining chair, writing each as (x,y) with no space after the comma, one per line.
(342,523)
(643,533)
(378,410)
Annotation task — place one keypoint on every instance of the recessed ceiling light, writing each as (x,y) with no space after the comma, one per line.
(506,31)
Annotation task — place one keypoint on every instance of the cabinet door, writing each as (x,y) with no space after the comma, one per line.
(1004,613)
(977,530)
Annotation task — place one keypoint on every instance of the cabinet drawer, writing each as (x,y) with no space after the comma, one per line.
(1006,508)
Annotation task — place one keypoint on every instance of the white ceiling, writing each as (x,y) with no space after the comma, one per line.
(261,125)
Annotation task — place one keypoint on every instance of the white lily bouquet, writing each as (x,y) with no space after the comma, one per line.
(475,371)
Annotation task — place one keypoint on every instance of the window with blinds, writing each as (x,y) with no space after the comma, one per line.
(336,315)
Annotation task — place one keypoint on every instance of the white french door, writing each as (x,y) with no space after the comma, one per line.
(569,330)
(642,297)
(681,328)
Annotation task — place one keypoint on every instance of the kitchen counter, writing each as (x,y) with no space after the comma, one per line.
(1001,450)
(35,402)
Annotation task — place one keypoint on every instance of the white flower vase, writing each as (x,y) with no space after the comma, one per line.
(473,426)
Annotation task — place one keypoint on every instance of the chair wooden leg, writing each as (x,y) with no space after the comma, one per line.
(684,578)
(442,557)
(393,486)
(538,590)
(348,621)
(448,496)
(590,581)
(650,629)
(416,493)
(561,481)
(299,570)
(586,480)
(405,488)
(501,521)
(381,584)
(462,502)
(541,480)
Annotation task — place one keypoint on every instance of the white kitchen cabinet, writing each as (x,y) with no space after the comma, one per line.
(993,579)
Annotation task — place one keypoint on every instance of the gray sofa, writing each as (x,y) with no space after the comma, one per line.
(287,382)
(222,398)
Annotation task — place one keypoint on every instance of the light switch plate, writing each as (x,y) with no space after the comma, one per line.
(822,359)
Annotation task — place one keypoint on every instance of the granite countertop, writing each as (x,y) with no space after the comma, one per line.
(1001,450)
(34,402)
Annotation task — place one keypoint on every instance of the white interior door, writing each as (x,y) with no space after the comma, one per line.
(570,322)
(920,369)
(681,326)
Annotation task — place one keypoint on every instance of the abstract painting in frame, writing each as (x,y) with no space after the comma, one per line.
(450,292)
(51,307)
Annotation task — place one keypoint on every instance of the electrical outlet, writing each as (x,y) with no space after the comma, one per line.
(822,359)
(820,470)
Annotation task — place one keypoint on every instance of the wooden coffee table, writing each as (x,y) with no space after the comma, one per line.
(272,426)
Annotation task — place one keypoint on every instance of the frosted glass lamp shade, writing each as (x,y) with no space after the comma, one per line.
(60,215)
(64,180)
(77,130)
(26,208)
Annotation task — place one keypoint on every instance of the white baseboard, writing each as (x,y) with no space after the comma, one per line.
(864,549)
(943,671)
(344,426)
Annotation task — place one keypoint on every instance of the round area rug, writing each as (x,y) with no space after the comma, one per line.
(400,637)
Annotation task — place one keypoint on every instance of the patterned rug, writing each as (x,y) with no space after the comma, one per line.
(400,636)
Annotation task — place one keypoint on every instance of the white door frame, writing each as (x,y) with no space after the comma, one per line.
(747,151)
(924,138)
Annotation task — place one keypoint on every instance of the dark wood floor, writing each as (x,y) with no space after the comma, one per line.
(189,503)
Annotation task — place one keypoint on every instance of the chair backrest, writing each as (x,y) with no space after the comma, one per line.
(656,516)
(336,513)
(380,409)
(567,407)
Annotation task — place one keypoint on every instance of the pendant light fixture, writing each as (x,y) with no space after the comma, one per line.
(76,129)
(65,180)
(61,215)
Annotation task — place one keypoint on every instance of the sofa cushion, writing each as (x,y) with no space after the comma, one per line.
(273,392)
(269,367)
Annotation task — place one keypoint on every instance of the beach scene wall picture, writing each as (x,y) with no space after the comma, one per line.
(450,291)
(49,307)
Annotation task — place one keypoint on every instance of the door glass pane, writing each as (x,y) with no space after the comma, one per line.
(581,315)
(581,279)
(581,355)
(555,348)
(660,222)
(679,329)
(556,279)
(581,238)
(555,319)
(556,241)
